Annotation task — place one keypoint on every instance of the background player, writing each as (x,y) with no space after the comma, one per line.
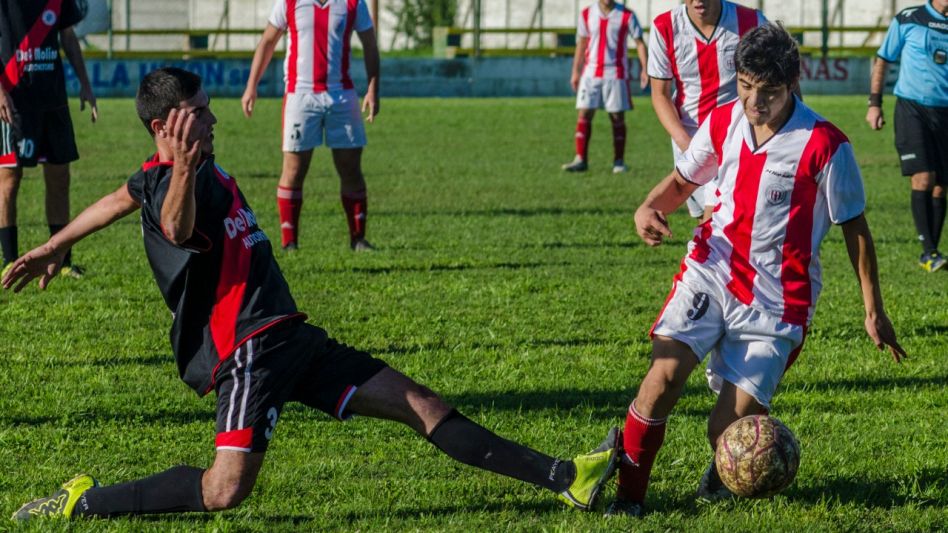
(692,51)
(602,33)
(320,102)
(35,126)
(236,330)
(750,281)
(918,38)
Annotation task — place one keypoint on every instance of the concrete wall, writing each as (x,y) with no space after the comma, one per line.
(203,14)
(488,77)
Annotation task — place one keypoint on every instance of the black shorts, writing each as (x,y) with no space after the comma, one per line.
(921,138)
(38,137)
(296,362)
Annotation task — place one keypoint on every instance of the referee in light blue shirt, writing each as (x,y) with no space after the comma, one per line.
(918,39)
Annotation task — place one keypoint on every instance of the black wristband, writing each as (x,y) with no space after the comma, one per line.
(875,100)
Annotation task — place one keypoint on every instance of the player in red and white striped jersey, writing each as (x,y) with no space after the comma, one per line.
(749,283)
(320,102)
(602,35)
(693,53)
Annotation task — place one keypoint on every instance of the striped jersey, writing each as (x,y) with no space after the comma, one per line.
(607,53)
(223,285)
(776,202)
(703,69)
(317,54)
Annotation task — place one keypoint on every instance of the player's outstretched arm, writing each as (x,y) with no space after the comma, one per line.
(44,261)
(371,104)
(668,195)
(667,112)
(179,209)
(261,58)
(74,54)
(876,81)
(862,254)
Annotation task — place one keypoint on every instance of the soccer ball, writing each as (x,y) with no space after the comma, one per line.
(757,456)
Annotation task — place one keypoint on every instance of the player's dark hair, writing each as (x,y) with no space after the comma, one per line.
(769,54)
(163,90)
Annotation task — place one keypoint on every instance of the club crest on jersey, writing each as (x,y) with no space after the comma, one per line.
(49,17)
(699,305)
(776,195)
(728,54)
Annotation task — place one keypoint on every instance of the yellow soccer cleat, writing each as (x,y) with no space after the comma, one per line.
(593,470)
(61,503)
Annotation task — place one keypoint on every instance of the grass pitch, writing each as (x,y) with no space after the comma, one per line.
(517,291)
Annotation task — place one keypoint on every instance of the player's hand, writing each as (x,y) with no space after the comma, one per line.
(42,262)
(86,95)
(875,118)
(371,104)
(574,81)
(248,100)
(651,225)
(179,130)
(7,109)
(643,79)
(880,330)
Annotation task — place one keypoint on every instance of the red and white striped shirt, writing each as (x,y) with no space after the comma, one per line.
(703,69)
(776,202)
(317,55)
(607,53)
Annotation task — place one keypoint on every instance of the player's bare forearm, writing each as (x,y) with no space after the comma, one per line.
(373,66)
(862,255)
(73,51)
(642,51)
(650,218)
(579,57)
(261,58)
(179,209)
(877,77)
(44,261)
(668,114)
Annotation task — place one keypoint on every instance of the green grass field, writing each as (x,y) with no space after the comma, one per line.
(518,292)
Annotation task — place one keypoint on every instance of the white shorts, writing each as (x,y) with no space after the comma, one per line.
(596,93)
(306,116)
(703,196)
(749,348)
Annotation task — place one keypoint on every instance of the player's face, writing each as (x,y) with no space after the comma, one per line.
(763,103)
(204,120)
(940,6)
(702,8)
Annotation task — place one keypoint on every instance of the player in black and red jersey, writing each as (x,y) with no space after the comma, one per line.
(35,126)
(236,331)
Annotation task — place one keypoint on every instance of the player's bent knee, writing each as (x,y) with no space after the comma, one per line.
(222,494)
(923,181)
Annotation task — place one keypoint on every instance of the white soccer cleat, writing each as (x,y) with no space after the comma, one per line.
(618,167)
(576,165)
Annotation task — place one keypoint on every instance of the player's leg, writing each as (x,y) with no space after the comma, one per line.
(57,208)
(345,134)
(352,192)
(644,432)
(914,145)
(938,124)
(584,119)
(617,100)
(9,187)
(393,396)
(304,117)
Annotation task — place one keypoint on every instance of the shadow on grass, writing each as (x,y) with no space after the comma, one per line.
(126,360)
(137,418)
(394,349)
(881,494)
(511,212)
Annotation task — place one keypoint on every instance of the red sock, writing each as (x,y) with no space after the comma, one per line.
(641,441)
(356,205)
(618,140)
(290,203)
(583,132)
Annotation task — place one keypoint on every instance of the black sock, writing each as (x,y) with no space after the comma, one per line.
(53,230)
(8,241)
(938,218)
(176,490)
(464,441)
(922,214)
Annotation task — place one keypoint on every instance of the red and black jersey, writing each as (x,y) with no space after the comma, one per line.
(31,70)
(223,286)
